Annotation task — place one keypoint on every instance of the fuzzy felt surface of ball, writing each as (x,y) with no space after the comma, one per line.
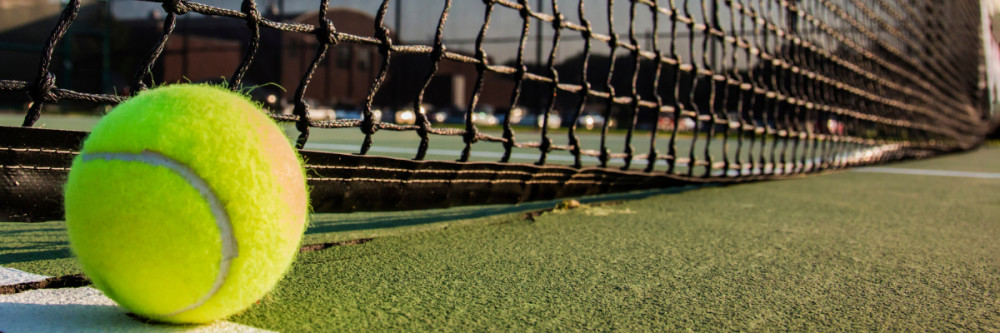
(186,204)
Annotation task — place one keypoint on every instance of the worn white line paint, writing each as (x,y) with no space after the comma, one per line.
(78,310)
(922,172)
(229,247)
(13,276)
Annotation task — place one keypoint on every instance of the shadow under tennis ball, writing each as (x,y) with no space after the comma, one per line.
(18,257)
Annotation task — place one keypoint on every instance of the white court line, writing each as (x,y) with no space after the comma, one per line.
(921,172)
(78,310)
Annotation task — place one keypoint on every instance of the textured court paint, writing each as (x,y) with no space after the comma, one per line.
(162,254)
(844,251)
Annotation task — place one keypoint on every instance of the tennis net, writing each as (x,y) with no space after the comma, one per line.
(677,92)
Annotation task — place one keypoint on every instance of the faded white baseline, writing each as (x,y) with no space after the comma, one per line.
(78,310)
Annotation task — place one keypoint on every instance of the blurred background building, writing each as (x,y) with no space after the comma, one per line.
(102,50)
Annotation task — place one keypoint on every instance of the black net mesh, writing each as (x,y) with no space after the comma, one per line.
(710,90)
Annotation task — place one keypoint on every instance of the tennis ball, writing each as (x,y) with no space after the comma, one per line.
(186,204)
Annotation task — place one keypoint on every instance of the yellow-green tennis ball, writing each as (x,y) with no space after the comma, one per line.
(186,204)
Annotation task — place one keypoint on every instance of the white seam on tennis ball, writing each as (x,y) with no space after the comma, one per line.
(229,248)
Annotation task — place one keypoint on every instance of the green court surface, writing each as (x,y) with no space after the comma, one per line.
(856,251)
